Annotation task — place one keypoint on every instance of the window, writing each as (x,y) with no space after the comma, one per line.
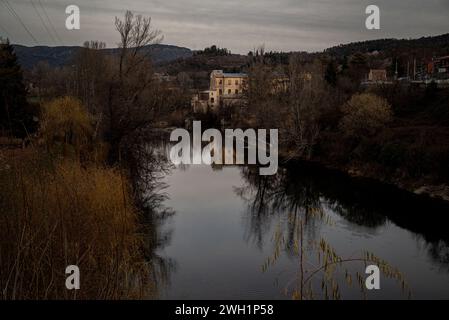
(220,92)
(221,82)
(212,100)
(236,91)
(229,91)
(236,82)
(229,82)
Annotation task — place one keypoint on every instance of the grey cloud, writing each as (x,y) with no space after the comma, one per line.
(236,24)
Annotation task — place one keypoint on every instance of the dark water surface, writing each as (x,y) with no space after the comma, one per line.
(229,222)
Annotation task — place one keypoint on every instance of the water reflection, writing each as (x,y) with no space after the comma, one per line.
(239,235)
(267,196)
(302,194)
(148,164)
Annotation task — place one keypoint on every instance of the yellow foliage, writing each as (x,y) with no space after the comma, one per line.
(56,215)
(365,114)
(66,122)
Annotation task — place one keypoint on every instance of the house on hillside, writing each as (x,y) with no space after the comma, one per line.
(377,75)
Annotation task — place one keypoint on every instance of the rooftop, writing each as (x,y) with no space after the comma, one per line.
(441,58)
(220,73)
(234,75)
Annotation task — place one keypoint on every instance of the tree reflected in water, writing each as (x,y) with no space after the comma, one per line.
(148,165)
(298,199)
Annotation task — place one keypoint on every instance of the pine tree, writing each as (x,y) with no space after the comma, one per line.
(331,73)
(13,103)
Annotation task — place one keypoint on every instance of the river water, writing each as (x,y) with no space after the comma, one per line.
(237,235)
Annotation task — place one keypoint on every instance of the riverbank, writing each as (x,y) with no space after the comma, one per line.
(423,186)
(375,172)
(61,204)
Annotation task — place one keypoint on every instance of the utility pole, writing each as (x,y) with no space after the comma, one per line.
(414,69)
(408,69)
(396,71)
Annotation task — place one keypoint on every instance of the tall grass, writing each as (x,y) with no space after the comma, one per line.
(52,216)
(56,210)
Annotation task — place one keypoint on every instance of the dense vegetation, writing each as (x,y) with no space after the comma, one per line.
(436,44)
(69,192)
(394,132)
(214,51)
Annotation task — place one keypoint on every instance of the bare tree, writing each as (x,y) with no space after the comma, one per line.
(91,75)
(264,103)
(136,33)
(307,96)
(131,102)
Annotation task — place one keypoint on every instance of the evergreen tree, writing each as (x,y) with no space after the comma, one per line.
(13,104)
(331,73)
(358,66)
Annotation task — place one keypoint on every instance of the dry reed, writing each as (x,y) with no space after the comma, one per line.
(55,214)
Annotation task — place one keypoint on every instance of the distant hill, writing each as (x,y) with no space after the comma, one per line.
(59,56)
(173,59)
(436,45)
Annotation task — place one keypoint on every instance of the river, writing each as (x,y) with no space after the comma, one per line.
(237,235)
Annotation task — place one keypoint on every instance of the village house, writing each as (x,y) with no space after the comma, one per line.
(225,89)
(281,82)
(377,75)
(439,67)
(200,102)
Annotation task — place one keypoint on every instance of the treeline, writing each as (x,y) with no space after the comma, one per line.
(213,51)
(439,44)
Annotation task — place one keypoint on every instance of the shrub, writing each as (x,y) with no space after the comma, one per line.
(364,115)
(66,125)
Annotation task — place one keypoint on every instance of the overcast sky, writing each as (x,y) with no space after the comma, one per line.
(239,25)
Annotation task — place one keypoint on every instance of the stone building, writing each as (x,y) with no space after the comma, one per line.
(226,88)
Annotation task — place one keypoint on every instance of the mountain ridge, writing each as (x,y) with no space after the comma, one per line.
(438,42)
(164,53)
(61,55)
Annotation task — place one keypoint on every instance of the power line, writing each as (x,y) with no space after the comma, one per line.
(15,15)
(43,22)
(49,21)
(4,30)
